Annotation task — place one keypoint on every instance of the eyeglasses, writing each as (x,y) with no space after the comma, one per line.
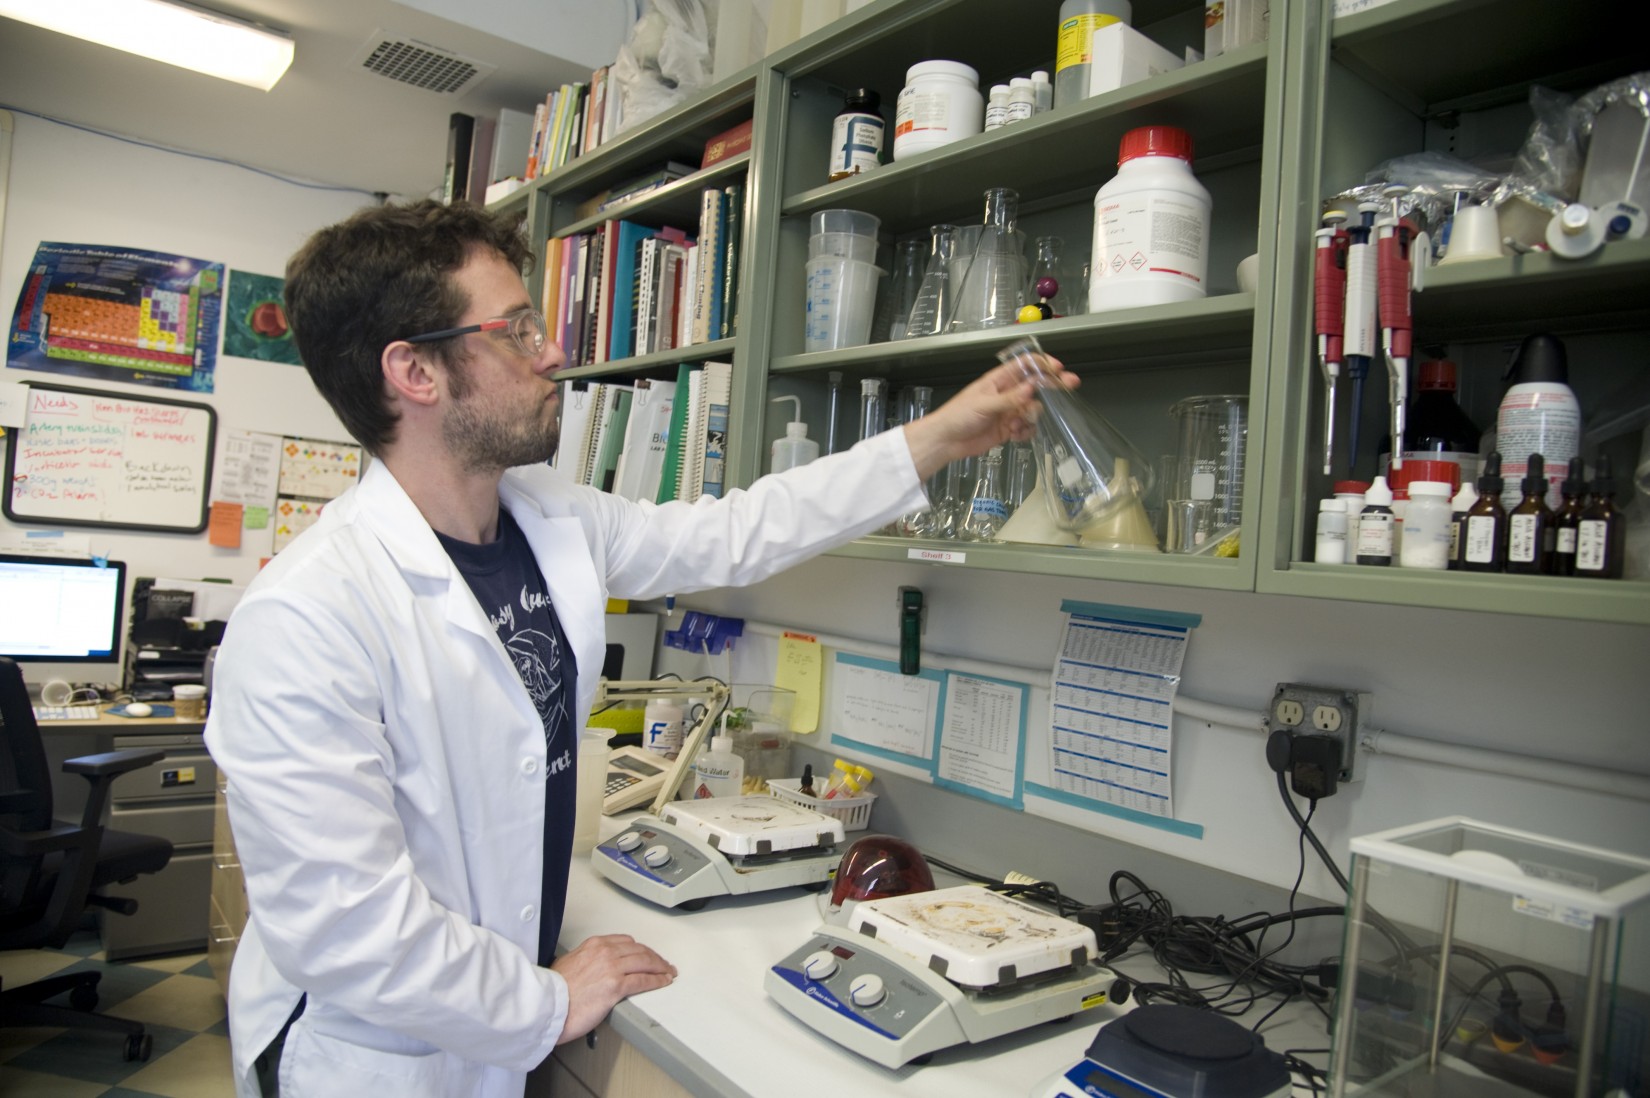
(525,329)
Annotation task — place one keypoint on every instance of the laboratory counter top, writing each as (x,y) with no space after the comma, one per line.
(718,1033)
(110,720)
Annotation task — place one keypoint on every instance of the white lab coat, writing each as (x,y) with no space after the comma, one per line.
(386,767)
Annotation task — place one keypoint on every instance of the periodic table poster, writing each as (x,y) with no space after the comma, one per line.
(119,314)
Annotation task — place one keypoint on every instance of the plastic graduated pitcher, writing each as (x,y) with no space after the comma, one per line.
(842,296)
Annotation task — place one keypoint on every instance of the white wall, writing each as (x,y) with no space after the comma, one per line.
(72,186)
(1564,690)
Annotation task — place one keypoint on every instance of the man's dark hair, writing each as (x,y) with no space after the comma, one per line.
(384,274)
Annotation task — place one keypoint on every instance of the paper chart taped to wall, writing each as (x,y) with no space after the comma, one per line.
(1110,705)
(982,737)
(879,710)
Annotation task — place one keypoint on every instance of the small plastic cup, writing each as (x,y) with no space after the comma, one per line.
(845,221)
(189,701)
(846,245)
(841,300)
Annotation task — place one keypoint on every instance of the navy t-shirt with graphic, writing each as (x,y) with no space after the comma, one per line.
(505,579)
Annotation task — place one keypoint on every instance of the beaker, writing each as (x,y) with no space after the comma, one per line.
(1205,499)
(895,311)
(986,510)
(1049,262)
(991,293)
(1089,471)
(931,309)
(841,296)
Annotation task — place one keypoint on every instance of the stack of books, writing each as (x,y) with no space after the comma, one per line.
(573,119)
(626,289)
(652,440)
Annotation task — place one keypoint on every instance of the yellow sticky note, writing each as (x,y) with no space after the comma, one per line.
(802,669)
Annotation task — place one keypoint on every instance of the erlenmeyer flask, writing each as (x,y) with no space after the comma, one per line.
(994,288)
(986,511)
(907,279)
(931,309)
(1050,263)
(1089,471)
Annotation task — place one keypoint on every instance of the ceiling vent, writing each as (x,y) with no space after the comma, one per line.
(408,61)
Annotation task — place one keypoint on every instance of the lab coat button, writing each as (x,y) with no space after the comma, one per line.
(528,912)
(529,766)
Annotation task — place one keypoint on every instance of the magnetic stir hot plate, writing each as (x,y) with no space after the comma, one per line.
(914,974)
(720,846)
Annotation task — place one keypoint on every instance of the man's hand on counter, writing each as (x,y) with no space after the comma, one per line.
(602,970)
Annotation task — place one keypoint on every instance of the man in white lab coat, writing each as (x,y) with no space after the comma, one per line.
(397,698)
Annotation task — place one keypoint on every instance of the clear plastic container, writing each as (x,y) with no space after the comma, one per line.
(847,245)
(844,221)
(842,297)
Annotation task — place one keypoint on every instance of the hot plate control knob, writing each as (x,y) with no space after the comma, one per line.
(656,855)
(819,964)
(867,990)
(627,842)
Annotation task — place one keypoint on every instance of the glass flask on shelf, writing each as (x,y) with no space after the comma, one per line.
(986,509)
(955,493)
(1093,478)
(994,287)
(918,524)
(1049,262)
(1021,474)
(908,273)
(931,308)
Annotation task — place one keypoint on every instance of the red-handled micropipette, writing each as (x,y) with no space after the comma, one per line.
(1397,329)
(1360,316)
(1329,286)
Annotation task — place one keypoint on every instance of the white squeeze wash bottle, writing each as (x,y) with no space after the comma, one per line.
(719,772)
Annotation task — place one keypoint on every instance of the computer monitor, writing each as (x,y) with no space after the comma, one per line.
(63,618)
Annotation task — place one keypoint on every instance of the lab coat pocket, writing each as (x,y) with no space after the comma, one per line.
(319,1065)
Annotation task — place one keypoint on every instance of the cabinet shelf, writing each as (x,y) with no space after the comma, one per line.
(1061,152)
(659,364)
(1439,55)
(1182,571)
(1603,292)
(1622,601)
(676,203)
(1181,333)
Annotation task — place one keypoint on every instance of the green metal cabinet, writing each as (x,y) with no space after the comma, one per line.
(1274,125)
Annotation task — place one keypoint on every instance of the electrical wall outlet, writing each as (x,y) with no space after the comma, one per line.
(1331,712)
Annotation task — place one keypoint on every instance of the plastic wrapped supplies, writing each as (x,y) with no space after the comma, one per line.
(665,59)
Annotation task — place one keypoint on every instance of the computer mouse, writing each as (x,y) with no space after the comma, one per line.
(139,709)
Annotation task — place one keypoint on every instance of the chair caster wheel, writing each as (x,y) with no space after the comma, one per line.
(138,1046)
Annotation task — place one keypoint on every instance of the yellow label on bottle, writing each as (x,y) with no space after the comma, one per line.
(1072,47)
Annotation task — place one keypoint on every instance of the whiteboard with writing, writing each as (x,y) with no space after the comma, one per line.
(88,458)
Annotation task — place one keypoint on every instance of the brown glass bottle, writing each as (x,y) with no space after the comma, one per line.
(1485,536)
(1567,519)
(1601,541)
(1530,524)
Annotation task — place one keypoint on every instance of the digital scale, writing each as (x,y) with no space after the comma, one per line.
(914,974)
(720,846)
(1165,1050)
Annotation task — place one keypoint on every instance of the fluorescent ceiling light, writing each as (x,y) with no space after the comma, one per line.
(178,34)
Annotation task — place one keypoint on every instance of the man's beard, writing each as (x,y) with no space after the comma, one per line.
(487,439)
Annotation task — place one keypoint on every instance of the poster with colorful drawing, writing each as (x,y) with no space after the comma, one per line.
(254,320)
(118,314)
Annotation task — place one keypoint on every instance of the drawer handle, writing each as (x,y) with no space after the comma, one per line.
(222,862)
(222,934)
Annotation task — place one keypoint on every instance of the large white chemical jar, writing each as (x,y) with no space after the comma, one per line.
(1151,225)
(939,104)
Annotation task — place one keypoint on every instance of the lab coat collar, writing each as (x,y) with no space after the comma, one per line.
(557,542)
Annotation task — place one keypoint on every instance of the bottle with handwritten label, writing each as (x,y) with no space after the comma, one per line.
(1486,530)
(1530,524)
(1601,541)
(1567,519)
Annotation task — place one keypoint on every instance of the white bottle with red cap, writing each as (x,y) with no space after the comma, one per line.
(1151,225)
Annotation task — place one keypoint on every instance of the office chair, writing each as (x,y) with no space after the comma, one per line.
(49,870)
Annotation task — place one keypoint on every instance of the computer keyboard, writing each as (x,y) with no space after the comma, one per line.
(65,712)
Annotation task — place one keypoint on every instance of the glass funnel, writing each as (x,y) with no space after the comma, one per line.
(994,288)
(931,309)
(1089,471)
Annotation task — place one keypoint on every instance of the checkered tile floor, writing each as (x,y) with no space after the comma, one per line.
(175,997)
